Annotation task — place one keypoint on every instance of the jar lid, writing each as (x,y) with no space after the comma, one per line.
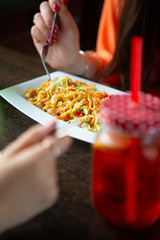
(135,118)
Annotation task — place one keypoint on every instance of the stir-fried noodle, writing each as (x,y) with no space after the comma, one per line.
(68,100)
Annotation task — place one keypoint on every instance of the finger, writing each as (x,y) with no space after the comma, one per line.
(64,16)
(55,31)
(63,145)
(37,36)
(40,23)
(56,146)
(33,135)
(59,146)
(57,4)
(53,40)
(54,37)
(47,13)
(65,2)
(36,42)
(44,150)
(38,161)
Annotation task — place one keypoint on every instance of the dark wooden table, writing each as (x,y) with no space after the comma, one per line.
(73,216)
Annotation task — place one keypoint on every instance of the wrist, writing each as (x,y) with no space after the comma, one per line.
(80,65)
(88,65)
(84,63)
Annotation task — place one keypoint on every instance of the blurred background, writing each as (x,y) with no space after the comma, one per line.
(16,19)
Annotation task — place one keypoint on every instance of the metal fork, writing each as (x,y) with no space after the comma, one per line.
(44,49)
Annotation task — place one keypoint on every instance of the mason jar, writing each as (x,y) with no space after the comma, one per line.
(126,161)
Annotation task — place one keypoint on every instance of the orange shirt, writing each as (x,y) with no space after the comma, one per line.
(106,40)
(107,32)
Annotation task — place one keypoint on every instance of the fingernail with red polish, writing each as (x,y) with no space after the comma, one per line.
(56,8)
(53,41)
(49,36)
(65,2)
(55,30)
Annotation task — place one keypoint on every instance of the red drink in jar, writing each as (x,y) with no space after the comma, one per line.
(126,161)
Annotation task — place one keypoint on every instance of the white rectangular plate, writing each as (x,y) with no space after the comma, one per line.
(14,95)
